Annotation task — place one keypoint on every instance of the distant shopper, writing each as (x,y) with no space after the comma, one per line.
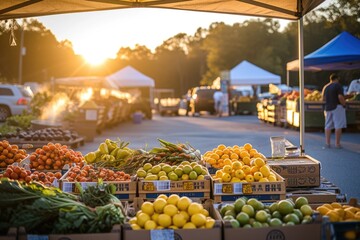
(335,115)
(218,101)
(188,100)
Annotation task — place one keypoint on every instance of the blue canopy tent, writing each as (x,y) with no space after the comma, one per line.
(341,53)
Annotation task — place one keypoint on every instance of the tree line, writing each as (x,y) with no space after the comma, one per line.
(184,61)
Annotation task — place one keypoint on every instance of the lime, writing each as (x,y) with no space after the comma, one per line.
(193,175)
(273,207)
(290,224)
(238,204)
(299,214)
(256,224)
(275,222)
(225,208)
(306,210)
(234,223)
(187,169)
(249,210)
(230,212)
(300,201)
(265,224)
(178,171)
(276,214)
(285,207)
(228,218)
(247,226)
(261,216)
(307,219)
(256,204)
(291,217)
(243,218)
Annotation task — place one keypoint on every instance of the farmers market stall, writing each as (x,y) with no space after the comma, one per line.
(248,74)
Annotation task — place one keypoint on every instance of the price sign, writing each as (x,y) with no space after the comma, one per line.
(188,186)
(227,188)
(247,189)
(148,186)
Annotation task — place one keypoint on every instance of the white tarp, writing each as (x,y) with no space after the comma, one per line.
(247,73)
(130,77)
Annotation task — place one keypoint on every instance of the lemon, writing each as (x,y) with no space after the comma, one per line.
(183,203)
(155,216)
(138,213)
(159,227)
(164,220)
(226,177)
(219,173)
(246,169)
(205,212)
(173,199)
(170,210)
(163,196)
(189,225)
(194,208)
(264,180)
(221,147)
(133,220)
(148,208)
(254,169)
(186,215)
(142,219)
(173,227)
(265,170)
(247,146)
(147,166)
(240,174)
(198,219)
(200,177)
(185,177)
(249,178)
(179,220)
(236,165)
(209,223)
(246,160)
(259,162)
(141,173)
(150,225)
(227,169)
(257,176)
(272,178)
(134,226)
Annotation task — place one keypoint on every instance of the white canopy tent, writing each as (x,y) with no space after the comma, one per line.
(130,77)
(246,73)
(286,9)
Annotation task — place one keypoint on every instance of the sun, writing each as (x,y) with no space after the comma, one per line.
(94,58)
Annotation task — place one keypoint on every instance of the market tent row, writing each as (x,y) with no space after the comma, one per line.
(340,53)
(246,73)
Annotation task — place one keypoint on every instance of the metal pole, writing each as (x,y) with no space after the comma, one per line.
(301,85)
(288,78)
(21,53)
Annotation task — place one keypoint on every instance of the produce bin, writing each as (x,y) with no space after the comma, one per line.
(245,107)
(195,189)
(263,191)
(301,171)
(184,234)
(115,234)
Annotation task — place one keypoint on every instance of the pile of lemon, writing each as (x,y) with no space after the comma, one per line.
(339,213)
(239,164)
(171,212)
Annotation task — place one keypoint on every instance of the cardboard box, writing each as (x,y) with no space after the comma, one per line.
(115,234)
(302,171)
(10,235)
(314,197)
(298,232)
(125,190)
(198,189)
(263,191)
(178,234)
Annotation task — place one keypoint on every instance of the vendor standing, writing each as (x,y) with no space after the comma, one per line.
(335,115)
(218,101)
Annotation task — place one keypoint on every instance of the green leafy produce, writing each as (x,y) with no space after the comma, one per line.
(44,210)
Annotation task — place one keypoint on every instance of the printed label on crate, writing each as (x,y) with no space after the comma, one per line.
(221,188)
(188,186)
(163,234)
(37,237)
(71,187)
(247,189)
(157,185)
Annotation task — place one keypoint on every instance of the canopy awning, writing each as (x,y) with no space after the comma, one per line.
(130,77)
(246,73)
(85,81)
(341,53)
(285,9)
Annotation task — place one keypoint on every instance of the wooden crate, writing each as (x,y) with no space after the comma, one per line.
(263,191)
(195,189)
(125,190)
(10,235)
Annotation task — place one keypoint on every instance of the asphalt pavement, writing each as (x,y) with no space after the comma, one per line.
(339,166)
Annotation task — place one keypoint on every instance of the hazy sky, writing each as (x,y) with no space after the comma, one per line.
(99,35)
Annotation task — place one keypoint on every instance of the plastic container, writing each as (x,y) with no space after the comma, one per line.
(277,147)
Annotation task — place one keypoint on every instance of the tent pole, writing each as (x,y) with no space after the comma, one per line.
(301,84)
(288,78)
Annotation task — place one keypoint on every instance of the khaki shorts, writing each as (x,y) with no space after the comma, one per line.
(335,118)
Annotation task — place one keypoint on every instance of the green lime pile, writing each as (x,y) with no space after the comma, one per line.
(163,171)
(252,213)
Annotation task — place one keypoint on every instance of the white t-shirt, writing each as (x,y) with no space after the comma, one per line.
(218,96)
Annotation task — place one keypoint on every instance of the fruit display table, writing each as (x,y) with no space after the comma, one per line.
(248,107)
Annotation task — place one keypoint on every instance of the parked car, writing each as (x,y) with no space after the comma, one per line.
(14,99)
(202,100)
